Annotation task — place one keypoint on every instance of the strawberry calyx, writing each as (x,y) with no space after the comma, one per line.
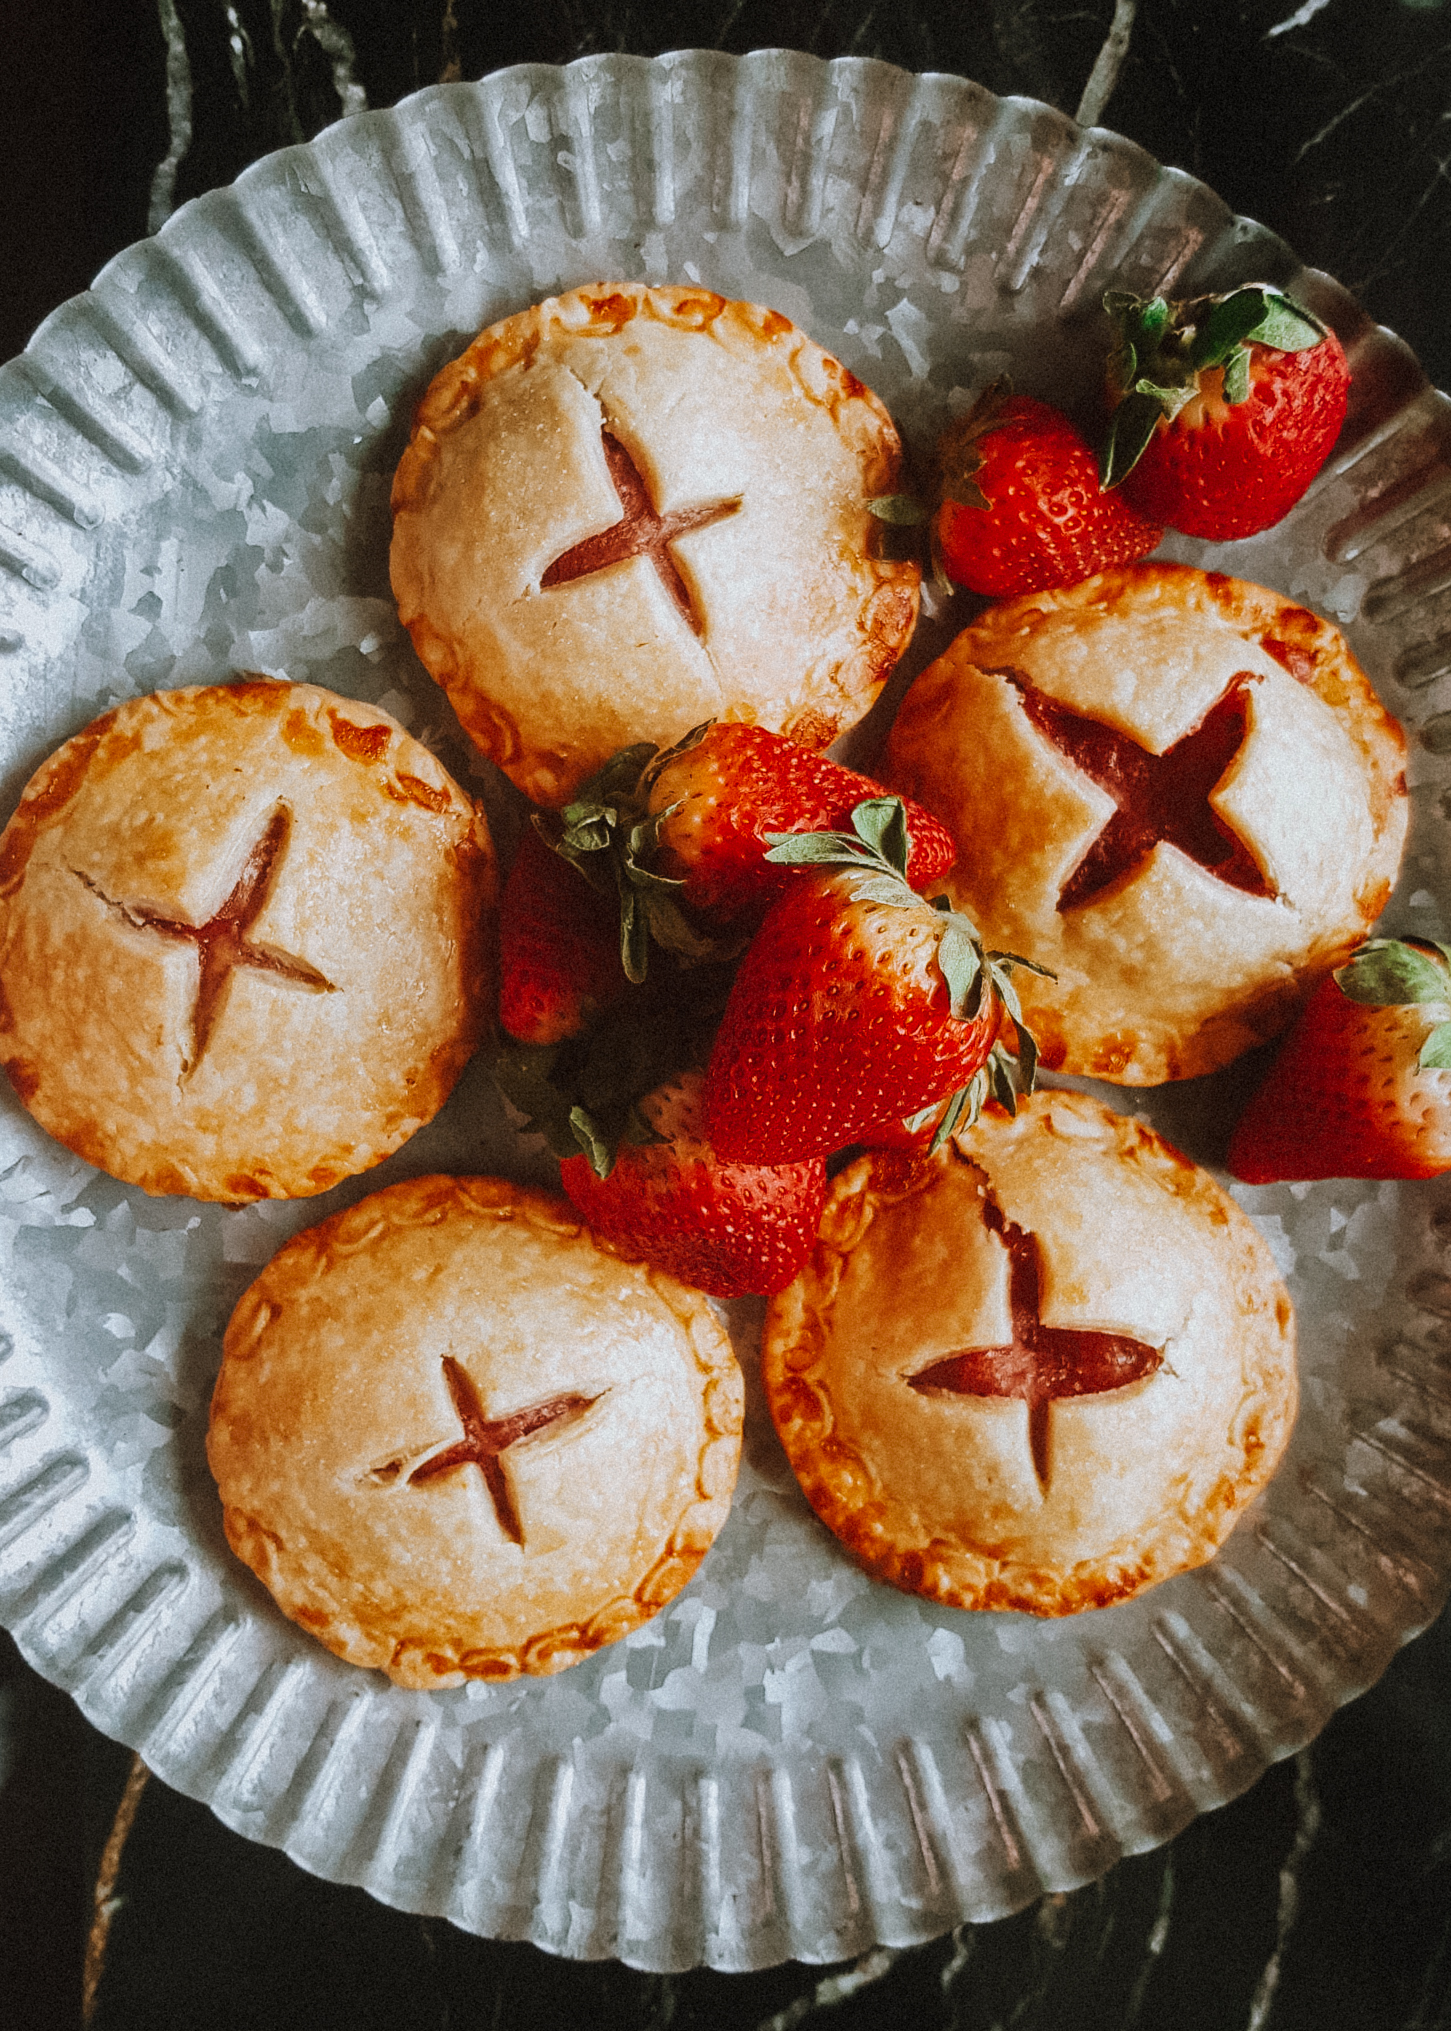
(958,459)
(582,1094)
(959,454)
(1163,348)
(876,848)
(609,833)
(1401,973)
(902,511)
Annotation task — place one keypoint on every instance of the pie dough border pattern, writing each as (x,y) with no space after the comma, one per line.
(423,1202)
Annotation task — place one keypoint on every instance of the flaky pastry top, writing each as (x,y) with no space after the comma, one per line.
(944,1492)
(339,1413)
(769,606)
(348,883)
(1171,970)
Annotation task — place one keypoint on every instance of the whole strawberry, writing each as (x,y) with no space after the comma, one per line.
(1359,1089)
(857,1002)
(559,947)
(720,802)
(1020,504)
(727,1228)
(678,837)
(1224,408)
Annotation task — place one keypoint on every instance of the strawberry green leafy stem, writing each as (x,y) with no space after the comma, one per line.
(582,1095)
(609,833)
(543,1082)
(902,511)
(1392,973)
(910,511)
(1162,348)
(878,845)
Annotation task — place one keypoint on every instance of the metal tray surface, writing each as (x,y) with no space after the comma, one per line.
(195,459)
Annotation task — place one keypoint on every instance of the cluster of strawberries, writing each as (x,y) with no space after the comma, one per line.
(1221,412)
(718,966)
(718,969)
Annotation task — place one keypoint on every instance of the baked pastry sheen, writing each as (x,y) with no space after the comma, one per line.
(457,1438)
(627,510)
(1042,1370)
(243,940)
(1265,809)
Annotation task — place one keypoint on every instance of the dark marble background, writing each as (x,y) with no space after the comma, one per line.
(1320,1900)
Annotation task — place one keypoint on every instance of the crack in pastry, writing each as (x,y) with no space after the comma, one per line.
(1163,797)
(221,943)
(486,1440)
(643,532)
(1041,1363)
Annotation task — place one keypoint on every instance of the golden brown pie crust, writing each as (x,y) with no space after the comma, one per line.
(939,1492)
(361,983)
(782,614)
(334,1398)
(1171,972)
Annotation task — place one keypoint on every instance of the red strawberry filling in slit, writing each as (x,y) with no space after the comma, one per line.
(1159,797)
(222,943)
(1042,1362)
(485,1439)
(640,533)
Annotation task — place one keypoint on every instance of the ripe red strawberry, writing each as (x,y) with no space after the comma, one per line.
(913,1133)
(690,825)
(856,1003)
(559,947)
(1021,508)
(1359,1087)
(720,801)
(1225,408)
(727,1228)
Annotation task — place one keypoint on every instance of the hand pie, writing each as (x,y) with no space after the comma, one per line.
(243,940)
(1175,790)
(457,1438)
(628,510)
(1042,1370)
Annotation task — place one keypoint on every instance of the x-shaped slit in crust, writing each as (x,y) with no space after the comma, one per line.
(1159,797)
(1041,1363)
(641,532)
(486,1439)
(222,943)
